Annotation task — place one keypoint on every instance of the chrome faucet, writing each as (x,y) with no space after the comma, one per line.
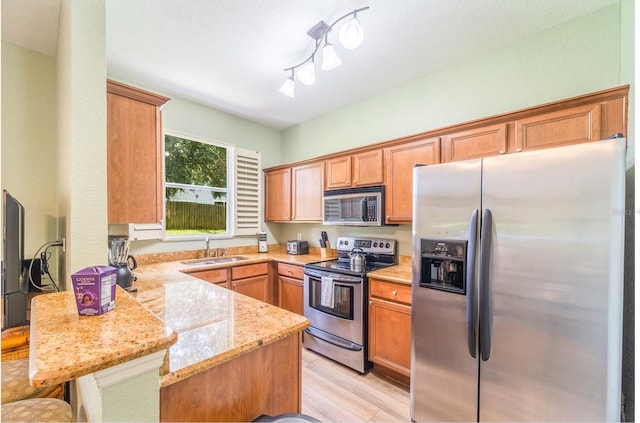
(206,243)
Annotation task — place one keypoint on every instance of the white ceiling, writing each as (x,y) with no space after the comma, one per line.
(230,54)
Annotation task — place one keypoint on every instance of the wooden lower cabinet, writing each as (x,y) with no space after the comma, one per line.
(267,380)
(252,280)
(390,328)
(291,287)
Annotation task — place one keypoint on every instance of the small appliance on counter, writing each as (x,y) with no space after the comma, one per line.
(120,258)
(262,242)
(297,247)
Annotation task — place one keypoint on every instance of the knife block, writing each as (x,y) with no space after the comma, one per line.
(326,251)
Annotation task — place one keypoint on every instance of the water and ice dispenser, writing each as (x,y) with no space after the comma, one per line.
(443,265)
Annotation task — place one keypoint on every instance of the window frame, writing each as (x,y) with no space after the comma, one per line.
(229,190)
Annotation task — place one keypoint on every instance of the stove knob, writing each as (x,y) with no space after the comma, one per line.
(375,245)
(388,245)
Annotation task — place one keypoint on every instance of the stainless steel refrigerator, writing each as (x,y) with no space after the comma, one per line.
(517,286)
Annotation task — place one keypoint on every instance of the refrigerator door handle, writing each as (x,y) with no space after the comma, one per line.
(471,275)
(486,233)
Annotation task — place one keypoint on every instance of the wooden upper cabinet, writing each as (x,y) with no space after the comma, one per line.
(306,187)
(338,172)
(134,155)
(399,162)
(474,143)
(277,193)
(571,126)
(361,169)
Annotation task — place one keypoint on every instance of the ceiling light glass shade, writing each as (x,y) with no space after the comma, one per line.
(288,87)
(330,59)
(351,34)
(307,73)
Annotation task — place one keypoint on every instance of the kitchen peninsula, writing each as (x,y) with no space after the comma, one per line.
(236,357)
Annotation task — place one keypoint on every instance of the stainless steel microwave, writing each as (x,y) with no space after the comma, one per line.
(354,206)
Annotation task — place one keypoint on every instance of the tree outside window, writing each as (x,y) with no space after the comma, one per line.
(196,187)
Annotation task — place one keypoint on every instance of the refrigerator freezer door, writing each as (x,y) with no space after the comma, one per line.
(556,284)
(444,375)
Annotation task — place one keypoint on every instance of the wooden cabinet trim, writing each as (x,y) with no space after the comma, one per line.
(138,94)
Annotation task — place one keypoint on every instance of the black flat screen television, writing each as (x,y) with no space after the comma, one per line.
(14,284)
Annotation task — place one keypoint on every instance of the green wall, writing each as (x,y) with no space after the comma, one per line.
(578,57)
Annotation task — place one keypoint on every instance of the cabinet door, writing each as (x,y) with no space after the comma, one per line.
(367,168)
(338,172)
(572,126)
(290,294)
(256,287)
(399,162)
(307,185)
(134,155)
(277,193)
(474,143)
(390,335)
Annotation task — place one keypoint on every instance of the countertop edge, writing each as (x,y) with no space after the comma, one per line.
(177,376)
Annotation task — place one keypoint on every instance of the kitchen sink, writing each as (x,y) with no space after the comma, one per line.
(214,260)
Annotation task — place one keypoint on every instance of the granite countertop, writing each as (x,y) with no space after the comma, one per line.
(200,323)
(401,273)
(64,345)
(214,324)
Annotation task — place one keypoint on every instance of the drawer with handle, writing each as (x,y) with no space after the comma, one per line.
(291,271)
(390,291)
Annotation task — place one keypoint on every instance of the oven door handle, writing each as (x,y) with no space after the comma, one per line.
(334,276)
(332,339)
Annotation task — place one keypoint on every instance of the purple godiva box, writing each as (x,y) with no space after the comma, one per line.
(95,290)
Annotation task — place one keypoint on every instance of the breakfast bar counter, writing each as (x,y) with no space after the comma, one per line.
(236,357)
(65,345)
(214,324)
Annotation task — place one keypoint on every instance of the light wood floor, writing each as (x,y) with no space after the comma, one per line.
(332,392)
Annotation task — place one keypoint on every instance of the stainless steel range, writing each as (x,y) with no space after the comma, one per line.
(335,299)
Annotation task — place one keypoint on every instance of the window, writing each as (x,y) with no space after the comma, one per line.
(197,186)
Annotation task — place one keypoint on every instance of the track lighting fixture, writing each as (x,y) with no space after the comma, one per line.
(288,87)
(350,36)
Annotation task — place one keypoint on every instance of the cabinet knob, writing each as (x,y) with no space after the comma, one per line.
(394,293)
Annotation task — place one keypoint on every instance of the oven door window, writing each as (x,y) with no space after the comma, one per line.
(341,305)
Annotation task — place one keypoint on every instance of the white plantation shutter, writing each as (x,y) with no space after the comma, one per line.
(248,192)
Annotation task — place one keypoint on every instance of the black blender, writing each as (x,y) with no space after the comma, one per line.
(120,258)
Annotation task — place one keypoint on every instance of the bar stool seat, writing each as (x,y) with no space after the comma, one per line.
(15,382)
(37,410)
